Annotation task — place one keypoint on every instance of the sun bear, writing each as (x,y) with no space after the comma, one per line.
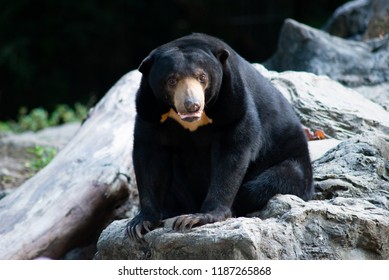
(213,138)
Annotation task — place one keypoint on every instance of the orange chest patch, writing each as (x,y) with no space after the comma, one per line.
(192,126)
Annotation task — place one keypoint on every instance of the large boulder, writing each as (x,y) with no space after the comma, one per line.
(323,103)
(360,20)
(303,48)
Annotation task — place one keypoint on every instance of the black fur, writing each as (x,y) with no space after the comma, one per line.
(255,147)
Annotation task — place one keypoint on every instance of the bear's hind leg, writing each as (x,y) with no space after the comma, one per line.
(288,177)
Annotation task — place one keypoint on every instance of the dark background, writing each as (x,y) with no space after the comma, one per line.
(71,51)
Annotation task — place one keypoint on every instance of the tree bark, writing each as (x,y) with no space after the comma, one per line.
(72,196)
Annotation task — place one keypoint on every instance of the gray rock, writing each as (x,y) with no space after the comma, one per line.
(323,103)
(360,19)
(350,20)
(302,48)
(356,168)
(318,148)
(293,229)
(376,93)
(112,236)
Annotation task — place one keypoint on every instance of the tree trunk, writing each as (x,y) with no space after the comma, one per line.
(74,195)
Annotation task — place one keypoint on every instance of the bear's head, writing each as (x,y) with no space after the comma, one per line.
(185,76)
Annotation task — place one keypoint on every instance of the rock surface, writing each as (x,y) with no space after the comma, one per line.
(323,103)
(303,48)
(358,169)
(360,19)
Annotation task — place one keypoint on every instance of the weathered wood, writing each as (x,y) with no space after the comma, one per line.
(71,197)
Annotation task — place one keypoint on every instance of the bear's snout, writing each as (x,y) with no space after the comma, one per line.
(189,99)
(192,106)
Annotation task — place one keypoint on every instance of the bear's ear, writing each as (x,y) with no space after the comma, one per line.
(145,66)
(222,55)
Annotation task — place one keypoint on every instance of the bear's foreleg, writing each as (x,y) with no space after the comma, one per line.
(152,166)
(229,162)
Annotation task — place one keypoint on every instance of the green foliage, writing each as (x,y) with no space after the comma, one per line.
(39,118)
(65,114)
(35,120)
(42,155)
(5,126)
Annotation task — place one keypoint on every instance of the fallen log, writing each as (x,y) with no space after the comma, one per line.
(76,193)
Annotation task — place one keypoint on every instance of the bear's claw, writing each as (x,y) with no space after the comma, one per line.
(187,222)
(137,228)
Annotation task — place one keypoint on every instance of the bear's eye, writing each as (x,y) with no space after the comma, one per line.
(203,78)
(172,82)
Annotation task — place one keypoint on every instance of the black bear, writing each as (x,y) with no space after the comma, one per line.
(213,138)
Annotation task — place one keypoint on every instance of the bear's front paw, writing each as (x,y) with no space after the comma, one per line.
(138,227)
(187,222)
